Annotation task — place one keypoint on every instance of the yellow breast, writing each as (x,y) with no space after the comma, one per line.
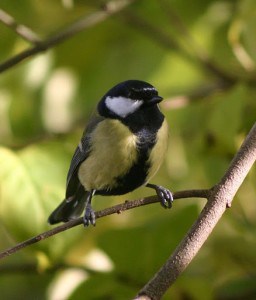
(113,152)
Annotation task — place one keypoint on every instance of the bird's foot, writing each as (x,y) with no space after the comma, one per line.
(89,216)
(164,195)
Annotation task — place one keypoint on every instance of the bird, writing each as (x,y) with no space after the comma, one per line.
(121,149)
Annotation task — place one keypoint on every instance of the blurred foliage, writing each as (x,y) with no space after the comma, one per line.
(44,103)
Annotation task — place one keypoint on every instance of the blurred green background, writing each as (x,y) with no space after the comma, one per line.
(201,56)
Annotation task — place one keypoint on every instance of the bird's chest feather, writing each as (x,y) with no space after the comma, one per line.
(113,152)
(120,160)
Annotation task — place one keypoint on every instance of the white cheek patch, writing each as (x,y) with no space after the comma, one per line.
(122,106)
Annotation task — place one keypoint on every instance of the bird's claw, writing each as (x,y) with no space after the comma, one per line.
(89,216)
(165,196)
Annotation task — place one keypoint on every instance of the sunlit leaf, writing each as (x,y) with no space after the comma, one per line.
(32,183)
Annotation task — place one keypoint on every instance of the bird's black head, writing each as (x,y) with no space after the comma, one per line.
(127,97)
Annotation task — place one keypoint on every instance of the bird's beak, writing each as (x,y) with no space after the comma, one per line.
(155,100)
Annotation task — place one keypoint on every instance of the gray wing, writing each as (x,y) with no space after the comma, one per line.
(74,203)
(81,153)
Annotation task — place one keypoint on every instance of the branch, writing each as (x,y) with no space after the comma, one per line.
(100,214)
(109,9)
(220,197)
(22,30)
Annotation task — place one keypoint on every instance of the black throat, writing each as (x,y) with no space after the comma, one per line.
(149,119)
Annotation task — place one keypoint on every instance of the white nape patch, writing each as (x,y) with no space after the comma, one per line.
(122,106)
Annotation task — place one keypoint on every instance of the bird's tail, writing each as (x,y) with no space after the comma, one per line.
(69,209)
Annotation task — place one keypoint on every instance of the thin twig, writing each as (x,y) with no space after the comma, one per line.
(22,30)
(109,9)
(100,214)
(220,197)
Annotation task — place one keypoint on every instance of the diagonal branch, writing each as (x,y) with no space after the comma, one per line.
(109,9)
(100,214)
(220,197)
(22,30)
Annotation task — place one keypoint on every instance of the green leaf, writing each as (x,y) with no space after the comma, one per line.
(32,184)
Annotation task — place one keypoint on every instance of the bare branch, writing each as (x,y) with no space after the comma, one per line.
(22,30)
(220,198)
(109,9)
(99,214)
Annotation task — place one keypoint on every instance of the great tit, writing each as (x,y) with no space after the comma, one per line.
(122,147)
